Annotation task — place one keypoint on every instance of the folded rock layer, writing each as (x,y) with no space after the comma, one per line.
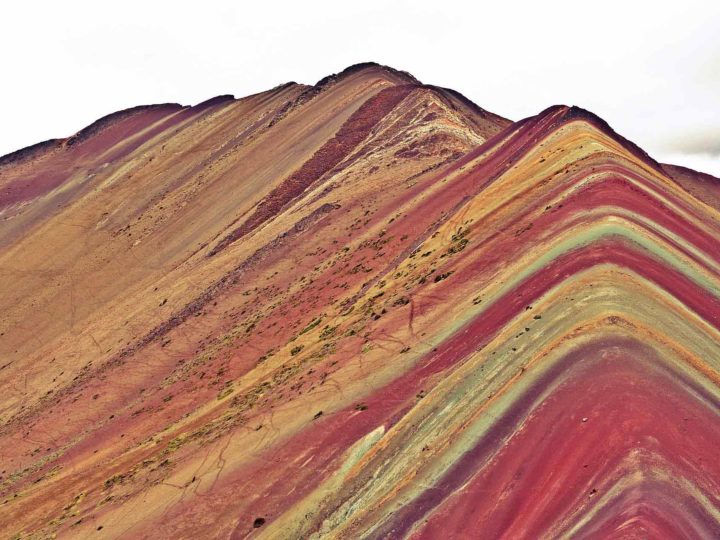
(362,309)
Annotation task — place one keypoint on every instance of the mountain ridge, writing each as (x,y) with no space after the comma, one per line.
(363,308)
(310,90)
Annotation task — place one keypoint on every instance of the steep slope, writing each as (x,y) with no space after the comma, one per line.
(366,308)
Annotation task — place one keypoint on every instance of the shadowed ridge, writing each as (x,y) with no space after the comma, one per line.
(518,127)
(563,114)
(272,91)
(516,139)
(106,121)
(99,125)
(366,66)
(474,107)
(576,112)
(87,132)
(390,74)
(217,100)
(29,152)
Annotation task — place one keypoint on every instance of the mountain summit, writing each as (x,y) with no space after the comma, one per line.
(366,308)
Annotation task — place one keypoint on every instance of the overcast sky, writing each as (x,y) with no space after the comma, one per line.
(651,69)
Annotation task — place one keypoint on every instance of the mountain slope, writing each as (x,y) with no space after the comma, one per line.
(366,308)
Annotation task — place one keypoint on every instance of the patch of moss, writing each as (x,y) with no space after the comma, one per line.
(313,324)
(328,332)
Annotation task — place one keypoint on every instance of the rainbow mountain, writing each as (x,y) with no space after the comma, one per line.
(366,308)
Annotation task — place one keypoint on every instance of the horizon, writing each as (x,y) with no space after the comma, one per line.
(354,67)
(652,74)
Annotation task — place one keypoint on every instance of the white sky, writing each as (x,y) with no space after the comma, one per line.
(651,69)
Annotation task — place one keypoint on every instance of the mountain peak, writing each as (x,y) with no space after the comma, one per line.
(369,68)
